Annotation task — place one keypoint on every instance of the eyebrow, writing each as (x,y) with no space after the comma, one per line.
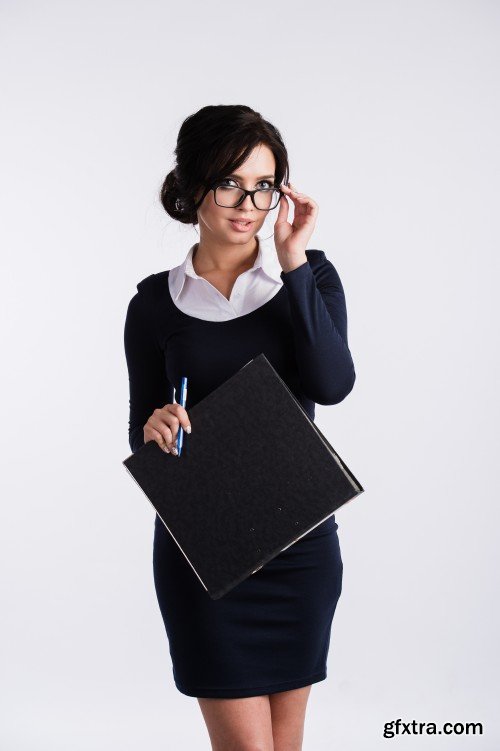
(264,177)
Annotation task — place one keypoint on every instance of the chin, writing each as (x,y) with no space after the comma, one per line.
(242,238)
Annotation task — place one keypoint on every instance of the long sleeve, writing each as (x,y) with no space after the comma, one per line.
(319,317)
(149,387)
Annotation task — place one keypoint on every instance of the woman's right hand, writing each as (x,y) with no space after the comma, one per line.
(163,426)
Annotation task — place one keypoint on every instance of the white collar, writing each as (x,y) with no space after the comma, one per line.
(266,259)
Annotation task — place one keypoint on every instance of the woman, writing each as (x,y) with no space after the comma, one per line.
(251,656)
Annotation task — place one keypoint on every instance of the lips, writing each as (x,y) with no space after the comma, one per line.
(241,225)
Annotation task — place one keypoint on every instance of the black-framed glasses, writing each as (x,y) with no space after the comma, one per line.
(230,196)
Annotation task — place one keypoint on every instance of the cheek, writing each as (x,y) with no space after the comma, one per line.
(214,218)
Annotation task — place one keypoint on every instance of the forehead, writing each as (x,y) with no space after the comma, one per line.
(259,163)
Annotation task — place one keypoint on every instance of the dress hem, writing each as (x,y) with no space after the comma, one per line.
(239,693)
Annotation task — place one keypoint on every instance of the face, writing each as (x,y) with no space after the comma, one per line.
(215,221)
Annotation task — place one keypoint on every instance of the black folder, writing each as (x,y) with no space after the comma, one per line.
(254,476)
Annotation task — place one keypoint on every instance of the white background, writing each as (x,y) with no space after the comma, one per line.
(390,114)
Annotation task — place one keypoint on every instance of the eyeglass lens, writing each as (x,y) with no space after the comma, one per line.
(228,196)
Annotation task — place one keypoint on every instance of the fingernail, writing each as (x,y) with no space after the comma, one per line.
(174,450)
(188,429)
(166,449)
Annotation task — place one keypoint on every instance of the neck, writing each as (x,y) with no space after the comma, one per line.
(212,257)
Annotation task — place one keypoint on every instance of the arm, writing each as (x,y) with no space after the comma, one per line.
(319,319)
(148,384)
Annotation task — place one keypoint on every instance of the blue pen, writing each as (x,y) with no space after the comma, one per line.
(182,402)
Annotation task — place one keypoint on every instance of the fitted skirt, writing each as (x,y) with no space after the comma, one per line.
(270,633)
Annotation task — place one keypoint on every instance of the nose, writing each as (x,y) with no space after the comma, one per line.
(245,205)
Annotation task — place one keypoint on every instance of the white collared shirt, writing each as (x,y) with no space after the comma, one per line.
(197,297)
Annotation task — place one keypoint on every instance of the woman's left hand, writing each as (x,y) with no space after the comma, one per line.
(291,239)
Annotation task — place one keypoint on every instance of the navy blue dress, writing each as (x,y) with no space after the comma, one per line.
(272,631)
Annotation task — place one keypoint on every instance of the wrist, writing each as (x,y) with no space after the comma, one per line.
(293,263)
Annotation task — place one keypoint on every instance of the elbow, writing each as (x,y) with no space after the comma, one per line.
(348,387)
(135,438)
(337,390)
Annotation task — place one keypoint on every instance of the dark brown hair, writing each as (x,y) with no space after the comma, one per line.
(211,144)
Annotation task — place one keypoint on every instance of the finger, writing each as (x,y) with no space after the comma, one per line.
(166,434)
(296,197)
(299,196)
(288,189)
(166,423)
(306,205)
(174,423)
(283,210)
(162,438)
(180,412)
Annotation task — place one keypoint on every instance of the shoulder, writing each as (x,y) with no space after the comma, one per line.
(152,285)
(149,291)
(151,288)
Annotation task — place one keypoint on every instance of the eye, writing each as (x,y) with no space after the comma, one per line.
(262,185)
